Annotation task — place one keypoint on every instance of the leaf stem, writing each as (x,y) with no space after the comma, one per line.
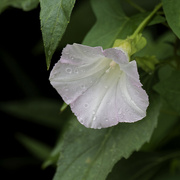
(146,20)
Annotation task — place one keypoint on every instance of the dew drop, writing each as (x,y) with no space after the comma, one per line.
(81,121)
(76,71)
(69,70)
(72,105)
(94,118)
(106,119)
(86,105)
(72,57)
(66,53)
(93,112)
(65,98)
(106,87)
(83,86)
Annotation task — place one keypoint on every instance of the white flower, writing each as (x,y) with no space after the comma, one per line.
(101,86)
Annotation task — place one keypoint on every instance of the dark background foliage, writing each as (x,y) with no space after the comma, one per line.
(23,75)
(24,79)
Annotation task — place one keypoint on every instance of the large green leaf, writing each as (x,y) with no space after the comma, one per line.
(26,5)
(88,154)
(140,166)
(172,13)
(146,166)
(54,16)
(167,123)
(112,23)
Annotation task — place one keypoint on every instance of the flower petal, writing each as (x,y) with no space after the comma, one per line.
(79,67)
(100,95)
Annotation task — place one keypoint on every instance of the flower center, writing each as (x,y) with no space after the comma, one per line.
(112,65)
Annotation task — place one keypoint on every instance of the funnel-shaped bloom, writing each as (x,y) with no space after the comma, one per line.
(101,86)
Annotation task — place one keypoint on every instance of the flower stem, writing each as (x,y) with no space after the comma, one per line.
(146,20)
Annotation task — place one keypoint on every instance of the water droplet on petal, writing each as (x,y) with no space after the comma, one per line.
(76,71)
(72,105)
(86,105)
(106,87)
(65,98)
(93,112)
(94,118)
(106,119)
(66,53)
(83,86)
(69,70)
(81,121)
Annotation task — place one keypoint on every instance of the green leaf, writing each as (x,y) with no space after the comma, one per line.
(54,16)
(38,149)
(161,47)
(146,166)
(26,5)
(167,123)
(169,89)
(140,166)
(171,10)
(42,111)
(112,23)
(88,154)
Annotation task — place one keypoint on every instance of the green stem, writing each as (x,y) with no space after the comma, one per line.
(146,20)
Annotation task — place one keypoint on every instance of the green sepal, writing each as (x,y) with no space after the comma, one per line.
(131,44)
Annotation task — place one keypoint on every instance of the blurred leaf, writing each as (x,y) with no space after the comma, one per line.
(26,5)
(112,23)
(167,122)
(42,111)
(54,155)
(38,149)
(168,176)
(90,154)
(145,166)
(147,63)
(54,16)
(140,166)
(18,74)
(171,10)
(169,89)
(161,47)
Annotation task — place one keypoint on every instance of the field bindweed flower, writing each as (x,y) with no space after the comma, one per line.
(101,86)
